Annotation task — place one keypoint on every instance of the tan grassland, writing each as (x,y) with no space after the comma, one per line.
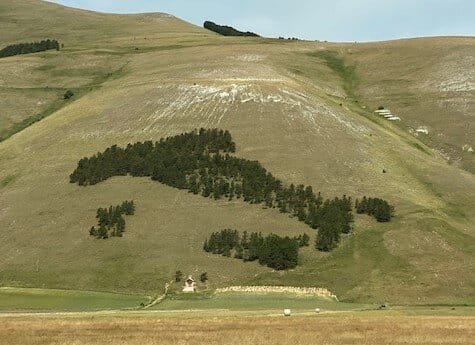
(368,328)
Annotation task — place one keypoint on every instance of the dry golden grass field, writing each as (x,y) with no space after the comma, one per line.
(366,328)
(304,109)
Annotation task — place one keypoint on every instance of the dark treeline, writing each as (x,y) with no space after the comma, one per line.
(227,30)
(201,162)
(28,48)
(277,252)
(111,222)
(378,208)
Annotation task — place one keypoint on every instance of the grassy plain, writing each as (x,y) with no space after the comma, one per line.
(18,299)
(50,300)
(254,302)
(144,77)
(376,328)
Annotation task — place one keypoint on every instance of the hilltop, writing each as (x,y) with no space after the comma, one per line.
(305,110)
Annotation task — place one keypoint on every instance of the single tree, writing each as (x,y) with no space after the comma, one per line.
(178,276)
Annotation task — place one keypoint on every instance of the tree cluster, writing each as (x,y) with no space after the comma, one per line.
(201,161)
(289,38)
(335,218)
(378,208)
(227,30)
(277,252)
(110,221)
(169,161)
(28,48)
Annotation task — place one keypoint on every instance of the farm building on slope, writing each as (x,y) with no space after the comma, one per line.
(189,285)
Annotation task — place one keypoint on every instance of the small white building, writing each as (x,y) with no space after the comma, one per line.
(189,285)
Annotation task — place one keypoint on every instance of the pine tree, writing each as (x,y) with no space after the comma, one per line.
(325,238)
(239,254)
(102,233)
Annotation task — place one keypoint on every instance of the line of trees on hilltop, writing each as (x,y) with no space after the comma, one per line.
(201,162)
(28,48)
(227,30)
(271,250)
(111,222)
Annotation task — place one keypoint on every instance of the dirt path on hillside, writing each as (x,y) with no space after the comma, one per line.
(159,298)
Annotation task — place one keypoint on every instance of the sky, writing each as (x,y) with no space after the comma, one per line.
(332,20)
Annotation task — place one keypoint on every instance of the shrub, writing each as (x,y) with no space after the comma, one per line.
(69,94)
(378,208)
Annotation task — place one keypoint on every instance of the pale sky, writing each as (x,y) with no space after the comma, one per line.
(332,20)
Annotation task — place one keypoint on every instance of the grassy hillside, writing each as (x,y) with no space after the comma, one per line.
(96,47)
(430,84)
(286,104)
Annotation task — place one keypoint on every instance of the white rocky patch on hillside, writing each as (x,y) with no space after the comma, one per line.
(456,74)
(241,75)
(249,57)
(212,103)
(419,130)
(302,291)
(467,148)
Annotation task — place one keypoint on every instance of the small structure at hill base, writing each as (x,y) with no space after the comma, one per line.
(287,312)
(189,285)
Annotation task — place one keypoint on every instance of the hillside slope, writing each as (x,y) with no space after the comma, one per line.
(430,84)
(283,105)
(34,85)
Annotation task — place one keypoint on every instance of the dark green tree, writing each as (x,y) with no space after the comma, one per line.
(69,94)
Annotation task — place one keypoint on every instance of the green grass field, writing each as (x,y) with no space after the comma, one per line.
(41,316)
(273,302)
(50,300)
(206,303)
(18,299)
